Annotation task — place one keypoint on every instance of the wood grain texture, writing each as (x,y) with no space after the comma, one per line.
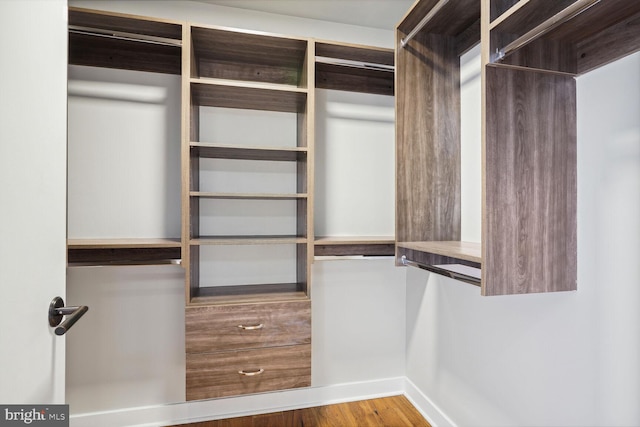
(241,55)
(123,255)
(247,196)
(369,54)
(248,240)
(227,151)
(394,411)
(468,251)
(526,14)
(453,19)
(352,79)
(211,329)
(529,229)
(217,374)
(248,294)
(354,245)
(428,140)
(125,23)
(610,44)
(217,94)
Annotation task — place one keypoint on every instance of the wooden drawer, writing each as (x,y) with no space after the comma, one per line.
(235,327)
(212,375)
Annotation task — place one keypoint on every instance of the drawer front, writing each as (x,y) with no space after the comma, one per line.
(235,327)
(234,373)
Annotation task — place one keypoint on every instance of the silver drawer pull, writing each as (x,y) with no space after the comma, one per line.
(251,327)
(251,373)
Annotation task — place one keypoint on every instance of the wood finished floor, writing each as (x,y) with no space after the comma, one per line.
(394,411)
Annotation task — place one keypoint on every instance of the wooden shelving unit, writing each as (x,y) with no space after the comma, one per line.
(126,42)
(531,52)
(363,69)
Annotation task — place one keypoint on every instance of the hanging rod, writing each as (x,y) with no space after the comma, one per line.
(120,35)
(442,271)
(567,14)
(423,22)
(355,64)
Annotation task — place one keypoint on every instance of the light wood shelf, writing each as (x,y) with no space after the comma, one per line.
(354,245)
(247,294)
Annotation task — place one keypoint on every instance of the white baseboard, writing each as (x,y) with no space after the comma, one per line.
(190,412)
(428,409)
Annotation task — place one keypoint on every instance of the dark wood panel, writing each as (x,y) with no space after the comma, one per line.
(222,151)
(454,18)
(255,72)
(106,256)
(529,232)
(252,98)
(428,140)
(394,411)
(217,375)
(498,7)
(123,54)
(125,23)
(532,13)
(212,329)
(609,45)
(544,54)
(365,249)
(355,53)
(329,76)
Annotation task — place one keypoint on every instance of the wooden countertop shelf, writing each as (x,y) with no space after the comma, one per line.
(244,294)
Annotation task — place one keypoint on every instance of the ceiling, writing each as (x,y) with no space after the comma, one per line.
(383,14)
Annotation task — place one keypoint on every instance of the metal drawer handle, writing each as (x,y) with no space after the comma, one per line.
(251,327)
(251,373)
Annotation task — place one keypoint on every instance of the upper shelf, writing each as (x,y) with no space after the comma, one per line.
(102,39)
(90,252)
(569,36)
(459,19)
(354,68)
(238,55)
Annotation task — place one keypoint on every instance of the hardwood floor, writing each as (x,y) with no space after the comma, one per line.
(394,411)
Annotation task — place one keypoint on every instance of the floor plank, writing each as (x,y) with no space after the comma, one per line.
(395,411)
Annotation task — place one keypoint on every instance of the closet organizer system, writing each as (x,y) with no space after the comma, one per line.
(252,337)
(532,50)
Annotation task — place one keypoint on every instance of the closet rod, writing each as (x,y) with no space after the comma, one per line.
(423,22)
(442,271)
(569,13)
(120,35)
(355,64)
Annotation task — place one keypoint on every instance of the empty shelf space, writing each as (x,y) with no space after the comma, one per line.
(95,252)
(354,246)
(236,152)
(124,42)
(239,55)
(247,240)
(248,96)
(248,196)
(466,251)
(241,294)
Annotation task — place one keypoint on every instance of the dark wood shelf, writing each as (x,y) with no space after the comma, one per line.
(96,252)
(113,44)
(241,55)
(236,152)
(248,196)
(454,19)
(354,246)
(250,96)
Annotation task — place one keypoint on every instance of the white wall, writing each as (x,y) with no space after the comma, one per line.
(130,352)
(552,359)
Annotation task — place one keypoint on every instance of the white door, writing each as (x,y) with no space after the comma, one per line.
(33,125)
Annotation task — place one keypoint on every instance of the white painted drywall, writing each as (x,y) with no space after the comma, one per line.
(32,198)
(555,359)
(136,357)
